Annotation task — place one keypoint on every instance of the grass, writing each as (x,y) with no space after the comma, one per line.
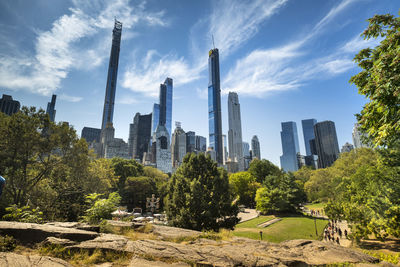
(298,227)
(254,222)
(316,206)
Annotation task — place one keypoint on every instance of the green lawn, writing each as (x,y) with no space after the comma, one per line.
(254,222)
(287,229)
(316,206)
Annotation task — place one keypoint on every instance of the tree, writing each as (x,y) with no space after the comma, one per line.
(125,168)
(30,148)
(380,81)
(101,209)
(199,196)
(279,194)
(262,168)
(244,186)
(136,190)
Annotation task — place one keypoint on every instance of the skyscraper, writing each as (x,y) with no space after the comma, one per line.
(155,118)
(246,155)
(235,130)
(139,136)
(214,105)
(161,149)
(190,142)
(308,133)
(178,145)
(347,148)
(290,146)
(225,149)
(108,110)
(50,108)
(326,143)
(91,134)
(8,105)
(255,147)
(166,104)
(201,143)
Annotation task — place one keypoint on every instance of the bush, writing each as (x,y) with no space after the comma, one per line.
(23,214)
(7,243)
(101,209)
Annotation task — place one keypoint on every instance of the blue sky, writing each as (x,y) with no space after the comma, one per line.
(288,60)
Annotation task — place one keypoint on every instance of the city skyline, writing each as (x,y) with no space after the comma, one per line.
(76,35)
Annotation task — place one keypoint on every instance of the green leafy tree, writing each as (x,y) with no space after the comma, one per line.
(137,189)
(101,209)
(23,214)
(125,168)
(199,196)
(244,186)
(279,194)
(262,168)
(30,148)
(379,81)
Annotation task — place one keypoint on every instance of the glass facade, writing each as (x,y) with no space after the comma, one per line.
(290,146)
(165,107)
(326,143)
(308,133)
(214,105)
(255,147)
(201,143)
(50,108)
(108,111)
(190,142)
(155,118)
(8,105)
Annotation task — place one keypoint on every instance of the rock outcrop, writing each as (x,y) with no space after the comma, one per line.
(200,252)
(15,260)
(32,233)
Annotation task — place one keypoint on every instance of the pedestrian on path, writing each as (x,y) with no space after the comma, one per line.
(2,184)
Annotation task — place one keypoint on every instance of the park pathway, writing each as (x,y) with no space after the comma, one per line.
(248,214)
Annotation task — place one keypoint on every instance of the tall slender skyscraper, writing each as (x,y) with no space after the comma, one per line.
(290,146)
(50,108)
(214,105)
(255,147)
(108,110)
(156,117)
(235,130)
(308,133)
(166,104)
(326,143)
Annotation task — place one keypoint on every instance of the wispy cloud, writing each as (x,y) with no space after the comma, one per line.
(146,75)
(285,68)
(70,98)
(60,50)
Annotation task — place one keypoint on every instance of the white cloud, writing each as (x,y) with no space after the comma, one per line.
(358,43)
(70,98)
(146,76)
(264,71)
(60,50)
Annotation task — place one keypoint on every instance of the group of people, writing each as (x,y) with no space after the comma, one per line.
(317,212)
(333,232)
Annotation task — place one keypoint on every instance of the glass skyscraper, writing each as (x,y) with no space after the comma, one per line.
(50,108)
(108,111)
(290,146)
(155,118)
(214,105)
(308,133)
(255,147)
(326,143)
(235,130)
(166,104)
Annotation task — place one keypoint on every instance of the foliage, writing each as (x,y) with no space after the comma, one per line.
(30,146)
(382,256)
(101,209)
(199,196)
(244,186)
(379,81)
(23,214)
(262,168)
(125,168)
(136,190)
(279,194)
(7,243)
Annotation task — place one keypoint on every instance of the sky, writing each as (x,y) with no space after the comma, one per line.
(288,60)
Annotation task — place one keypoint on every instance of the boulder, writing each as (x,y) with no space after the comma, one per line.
(168,232)
(10,259)
(32,233)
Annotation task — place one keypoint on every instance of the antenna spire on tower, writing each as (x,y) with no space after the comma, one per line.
(212,35)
